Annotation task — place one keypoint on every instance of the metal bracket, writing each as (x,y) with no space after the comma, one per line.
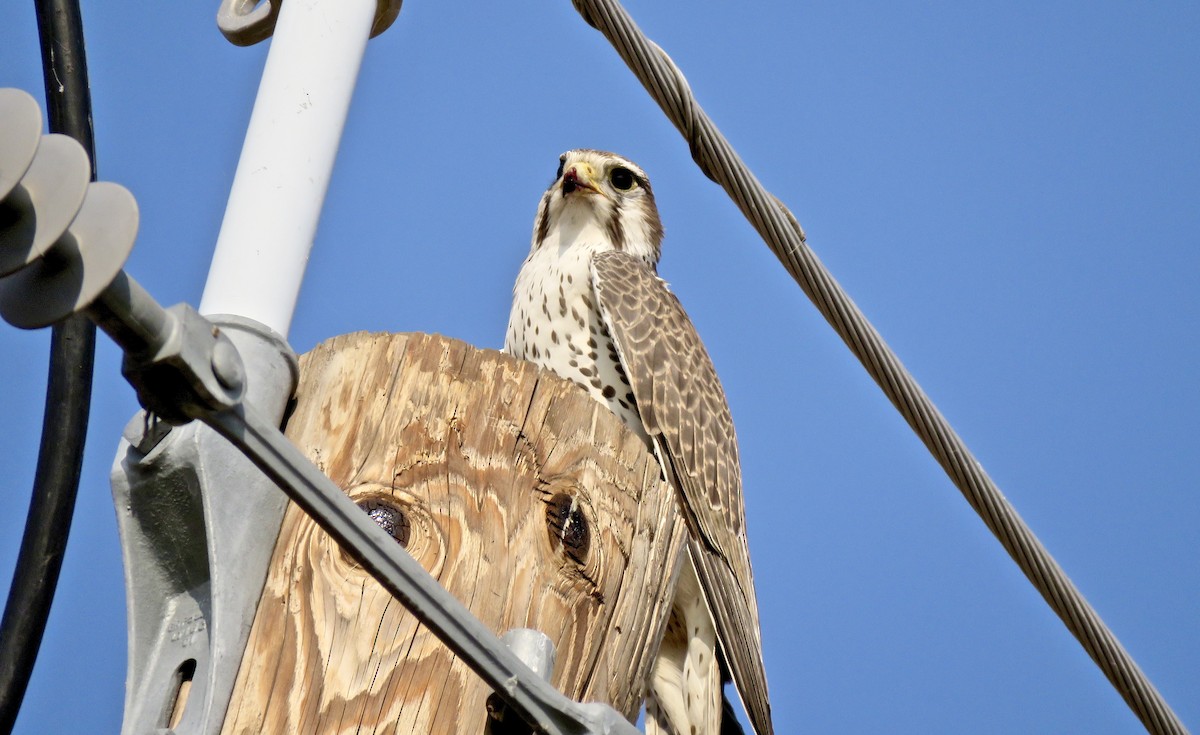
(535,649)
(247,22)
(198,522)
(175,394)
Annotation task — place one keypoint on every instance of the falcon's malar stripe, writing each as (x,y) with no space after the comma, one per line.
(616,230)
(543,227)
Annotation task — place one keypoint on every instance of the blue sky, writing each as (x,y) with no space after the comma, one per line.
(1010,192)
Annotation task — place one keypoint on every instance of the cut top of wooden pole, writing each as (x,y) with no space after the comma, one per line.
(526,499)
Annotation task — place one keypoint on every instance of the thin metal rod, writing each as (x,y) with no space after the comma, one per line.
(130,315)
(68,392)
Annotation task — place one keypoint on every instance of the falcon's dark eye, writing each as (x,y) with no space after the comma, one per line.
(562,162)
(622,178)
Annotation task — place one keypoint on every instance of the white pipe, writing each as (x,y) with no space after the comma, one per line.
(286,161)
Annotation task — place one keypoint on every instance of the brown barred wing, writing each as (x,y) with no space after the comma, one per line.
(684,411)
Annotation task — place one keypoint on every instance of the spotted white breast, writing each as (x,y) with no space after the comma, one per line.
(556,324)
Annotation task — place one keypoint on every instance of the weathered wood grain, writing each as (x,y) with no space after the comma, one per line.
(527,500)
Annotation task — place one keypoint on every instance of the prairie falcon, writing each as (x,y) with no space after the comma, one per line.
(588,305)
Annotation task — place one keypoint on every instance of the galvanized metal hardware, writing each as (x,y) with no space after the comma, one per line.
(246,22)
(190,369)
(198,523)
(535,649)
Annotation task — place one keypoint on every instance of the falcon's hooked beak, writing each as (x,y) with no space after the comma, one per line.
(579,176)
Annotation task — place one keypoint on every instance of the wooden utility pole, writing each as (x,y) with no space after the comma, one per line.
(525,498)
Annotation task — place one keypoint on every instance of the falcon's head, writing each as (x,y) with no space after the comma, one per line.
(600,200)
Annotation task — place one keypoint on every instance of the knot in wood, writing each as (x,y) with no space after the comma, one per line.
(568,526)
(389,518)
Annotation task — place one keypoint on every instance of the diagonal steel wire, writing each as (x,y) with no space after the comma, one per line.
(783,234)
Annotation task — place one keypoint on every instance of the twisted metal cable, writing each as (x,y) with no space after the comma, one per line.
(779,228)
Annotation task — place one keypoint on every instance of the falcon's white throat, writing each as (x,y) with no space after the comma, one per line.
(598,202)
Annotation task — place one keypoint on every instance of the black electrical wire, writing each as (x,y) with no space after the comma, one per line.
(68,393)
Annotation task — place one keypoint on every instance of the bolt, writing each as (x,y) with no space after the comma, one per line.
(227,365)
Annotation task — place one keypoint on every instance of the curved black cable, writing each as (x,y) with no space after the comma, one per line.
(68,393)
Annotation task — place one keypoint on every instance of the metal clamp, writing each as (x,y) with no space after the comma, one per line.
(247,22)
(198,524)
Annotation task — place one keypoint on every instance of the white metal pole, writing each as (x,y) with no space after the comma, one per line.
(286,160)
